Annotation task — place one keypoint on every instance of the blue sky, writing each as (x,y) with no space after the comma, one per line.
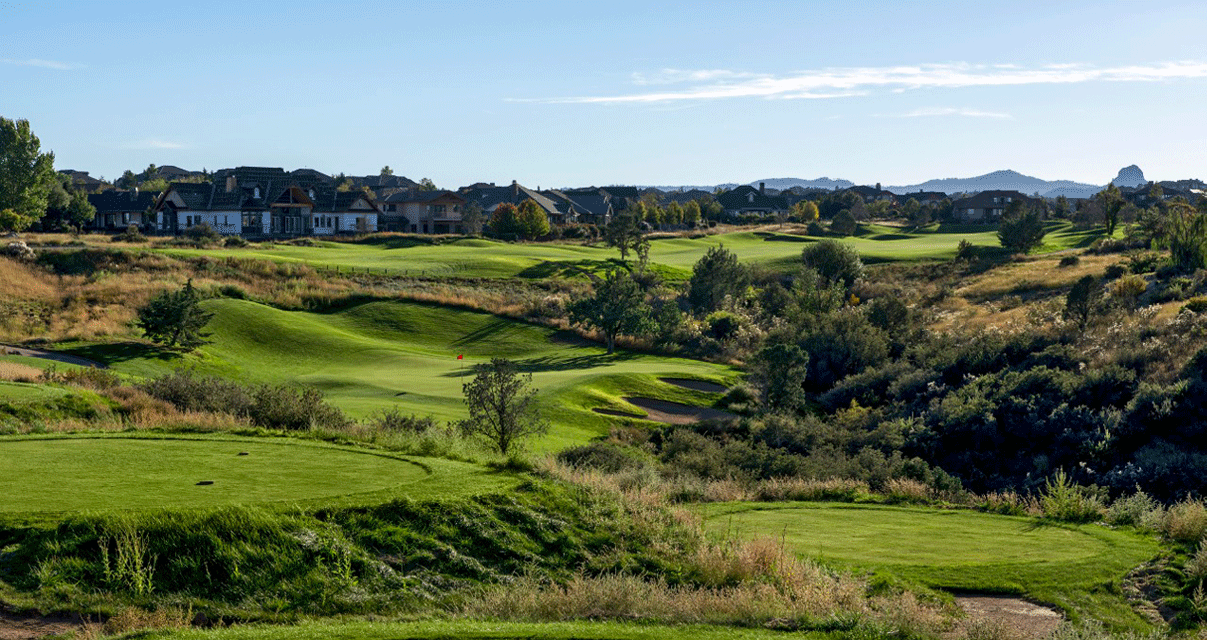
(578,93)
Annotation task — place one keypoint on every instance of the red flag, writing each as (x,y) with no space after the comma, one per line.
(460,356)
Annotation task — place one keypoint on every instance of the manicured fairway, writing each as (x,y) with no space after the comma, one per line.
(382,355)
(98,473)
(475,257)
(1072,567)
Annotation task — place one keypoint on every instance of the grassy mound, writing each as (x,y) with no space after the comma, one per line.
(382,355)
(1077,568)
(72,474)
(277,563)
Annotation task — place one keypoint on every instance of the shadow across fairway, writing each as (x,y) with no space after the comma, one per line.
(557,363)
(110,354)
(570,268)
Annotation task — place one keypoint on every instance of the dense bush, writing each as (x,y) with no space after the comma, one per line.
(293,408)
(834,261)
(189,391)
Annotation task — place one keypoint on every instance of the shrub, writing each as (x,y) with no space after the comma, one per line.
(188,391)
(202,234)
(293,408)
(131,234)
(844,223)
(815,228)
(1186,521)
(834,261)
(723,325)
(1137,510)
(1022,230)
(740,398)
(235,241)
(602,456)
(1197,304)
(395,421)
(1115,271)
(717,275)
(1070,261)
(1064,500)
(1127,290)
(965,251)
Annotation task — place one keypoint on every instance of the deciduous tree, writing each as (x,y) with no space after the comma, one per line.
(26,175)
(502,406)
(531,221)
(616,307)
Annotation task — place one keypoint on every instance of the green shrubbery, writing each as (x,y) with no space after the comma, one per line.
(269,406)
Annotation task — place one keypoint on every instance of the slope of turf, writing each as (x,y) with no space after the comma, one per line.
(382,355)
(71,474)
(1078,568)
(493,259)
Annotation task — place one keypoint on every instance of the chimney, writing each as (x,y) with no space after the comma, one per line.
(515,189)
(762,188)
(231,183)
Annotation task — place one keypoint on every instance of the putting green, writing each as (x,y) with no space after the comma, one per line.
(1077,568)
(902,536)
(58,474)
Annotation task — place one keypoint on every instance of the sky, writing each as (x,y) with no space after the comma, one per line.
(577,93)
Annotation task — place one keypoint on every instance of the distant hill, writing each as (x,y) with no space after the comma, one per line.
(779,184)
(1006,180)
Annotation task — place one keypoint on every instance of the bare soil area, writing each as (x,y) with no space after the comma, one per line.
(1016,617)
(17,627)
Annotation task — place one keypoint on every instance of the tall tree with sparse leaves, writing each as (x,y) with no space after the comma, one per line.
(175,318)
(502,406)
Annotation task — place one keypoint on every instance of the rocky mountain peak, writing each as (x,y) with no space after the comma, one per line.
(1129,176)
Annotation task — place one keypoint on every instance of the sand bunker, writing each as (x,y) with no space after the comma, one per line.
(1019,618)
(695,385)
(670,412)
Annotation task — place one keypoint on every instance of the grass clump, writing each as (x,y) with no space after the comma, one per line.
(1065,500)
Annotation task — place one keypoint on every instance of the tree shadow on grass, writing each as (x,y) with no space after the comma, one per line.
(557,363)
(570,268)
(110,354)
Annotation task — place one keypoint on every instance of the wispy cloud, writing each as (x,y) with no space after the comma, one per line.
(153,143)
(951,111)
(44,64)
(721,84)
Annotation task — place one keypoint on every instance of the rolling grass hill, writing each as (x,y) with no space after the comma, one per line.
(381,355)
(1077,568)
(474,257)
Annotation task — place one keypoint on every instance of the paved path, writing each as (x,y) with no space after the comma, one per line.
(49,355)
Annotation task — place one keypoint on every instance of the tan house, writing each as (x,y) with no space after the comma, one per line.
(414,211)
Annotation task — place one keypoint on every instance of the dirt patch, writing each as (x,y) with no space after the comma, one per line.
(49,355)
(1016,617)
(17,627)
(670,412)
(695,385)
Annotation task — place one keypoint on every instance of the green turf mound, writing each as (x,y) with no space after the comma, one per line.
(72,474)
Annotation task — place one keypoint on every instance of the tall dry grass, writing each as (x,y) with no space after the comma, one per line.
(16,372)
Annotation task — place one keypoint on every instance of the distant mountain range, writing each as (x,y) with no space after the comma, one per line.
(1005,180)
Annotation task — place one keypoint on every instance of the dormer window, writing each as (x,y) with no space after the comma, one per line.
(312,194)
(257,192)
(750,197)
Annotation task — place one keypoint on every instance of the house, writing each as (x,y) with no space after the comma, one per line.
(414,211)
(873,194)
(264,201)
(988,205)
(116,209)
(172,173)
(81,180)
(746,200)
(924,198)
(619,197)
(489,198)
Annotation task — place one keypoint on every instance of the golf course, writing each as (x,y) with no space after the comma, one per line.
(383,355)
(484,258)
